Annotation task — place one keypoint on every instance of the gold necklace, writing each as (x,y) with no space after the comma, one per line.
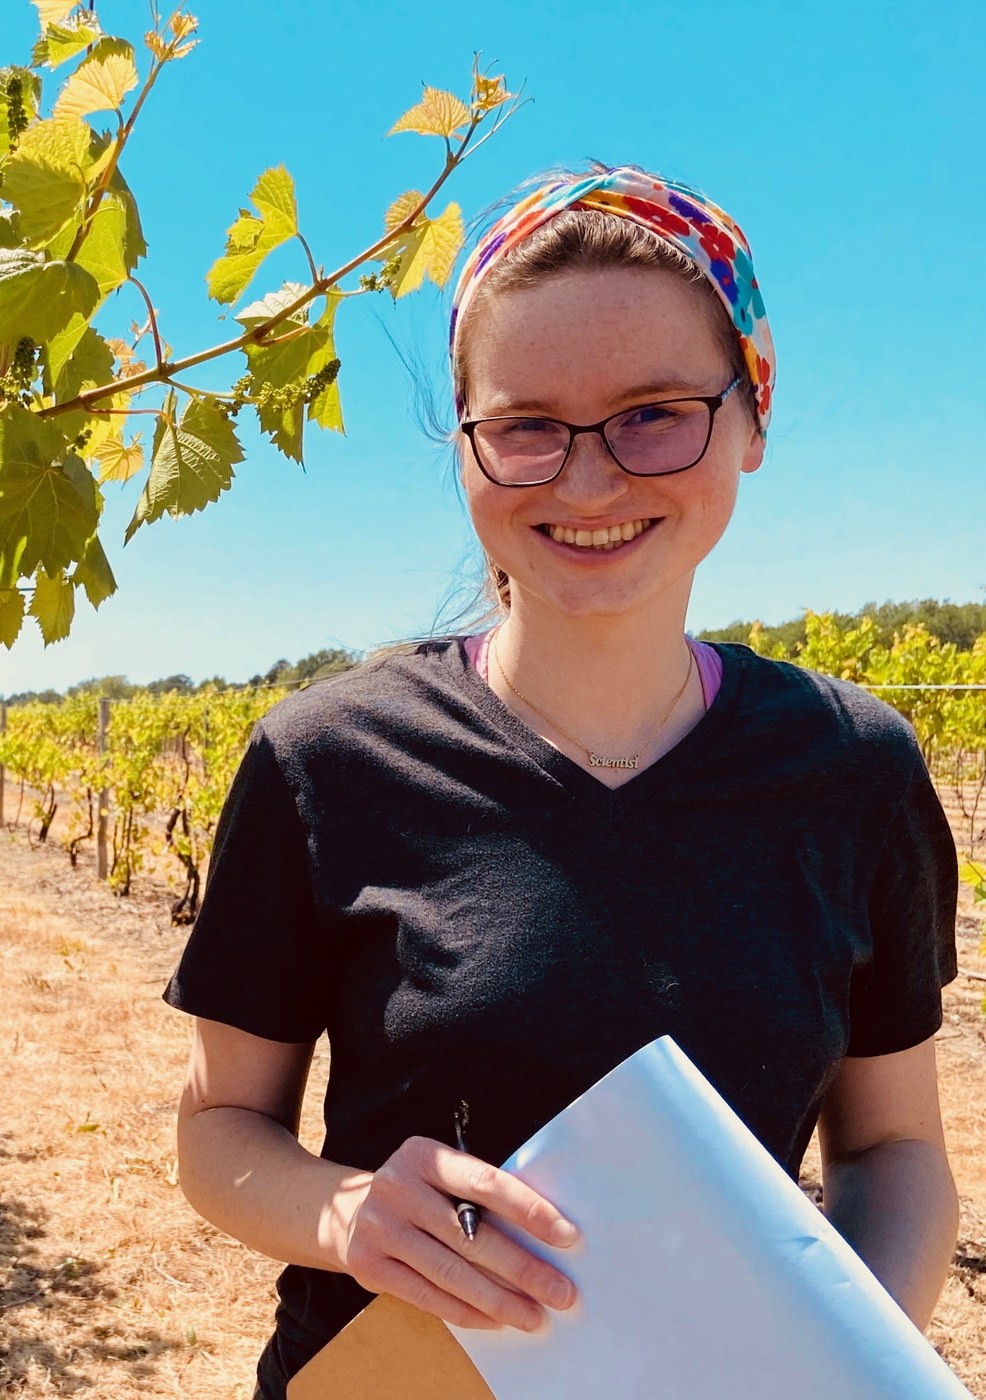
(595,760)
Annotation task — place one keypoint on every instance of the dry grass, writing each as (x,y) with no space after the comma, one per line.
(112,1287)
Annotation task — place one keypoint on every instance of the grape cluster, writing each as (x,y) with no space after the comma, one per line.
(280,399)
(21,373)
(17,118)
(382,281)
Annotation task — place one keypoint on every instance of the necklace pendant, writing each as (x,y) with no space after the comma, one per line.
(598,761)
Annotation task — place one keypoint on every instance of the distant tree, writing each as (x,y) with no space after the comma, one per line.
(112,687)
(960,623)
(33,697)
(182,684)
(276,672)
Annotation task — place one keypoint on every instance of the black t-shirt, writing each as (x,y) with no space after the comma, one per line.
(402,862)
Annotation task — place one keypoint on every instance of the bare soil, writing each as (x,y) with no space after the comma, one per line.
(111,1286)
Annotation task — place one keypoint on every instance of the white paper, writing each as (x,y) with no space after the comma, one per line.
(705,1273)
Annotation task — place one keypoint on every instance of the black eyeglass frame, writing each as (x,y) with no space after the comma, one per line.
(712,401)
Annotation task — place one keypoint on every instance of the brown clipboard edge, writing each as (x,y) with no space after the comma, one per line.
(390,1351)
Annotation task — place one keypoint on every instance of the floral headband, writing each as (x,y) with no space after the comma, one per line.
(681,215)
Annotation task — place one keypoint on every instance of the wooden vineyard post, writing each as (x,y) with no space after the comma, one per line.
(102,863)
(3,730)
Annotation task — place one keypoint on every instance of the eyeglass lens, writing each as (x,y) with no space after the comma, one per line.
(647,440)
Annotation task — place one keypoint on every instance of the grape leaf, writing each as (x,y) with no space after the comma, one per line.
(39,298)
(54,11)
(156,44)
(437,114)
(59,349)
(101,81)
(118,460)
(490,93)
(90,363)
(403,206)
(11,615)
(63,41)
(93,572)
(251,238)
(49,505)
(9,236)
(53,605)
(430,247)
(279,374)
(134,245)
(192,463)
(272,305)
(45,179)
(104,249)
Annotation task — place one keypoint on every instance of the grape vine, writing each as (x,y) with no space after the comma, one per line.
(70,235)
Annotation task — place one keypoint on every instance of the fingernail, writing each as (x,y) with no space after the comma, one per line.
(564,1233)
(533,1322)
(561,1294)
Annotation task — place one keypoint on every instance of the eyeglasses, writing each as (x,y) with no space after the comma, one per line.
(653,439)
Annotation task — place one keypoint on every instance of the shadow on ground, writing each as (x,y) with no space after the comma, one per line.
(46,1323)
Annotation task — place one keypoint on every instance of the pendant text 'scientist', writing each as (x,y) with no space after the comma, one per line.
(597,761)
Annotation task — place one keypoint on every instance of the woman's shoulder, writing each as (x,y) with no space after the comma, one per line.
(390,686)
(781,693)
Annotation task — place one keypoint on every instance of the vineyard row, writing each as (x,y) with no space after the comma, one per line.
(147,783)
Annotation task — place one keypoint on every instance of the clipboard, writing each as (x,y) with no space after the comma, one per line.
(391,1351)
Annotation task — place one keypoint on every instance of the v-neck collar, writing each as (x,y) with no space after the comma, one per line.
(564,771)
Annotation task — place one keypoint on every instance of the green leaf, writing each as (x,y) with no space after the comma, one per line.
(11,615)
(119,461)
(63,41)
(45,179)
(49,505)
(101,81)
(192,463)
(90,362)
(53,605)
(9,235)
(59,349)
(38,298)
(103,250)
(93,572)
(273,304)
(437,114)
(253,236)
(430,247)
(134,244)
(54,11)
(279,375)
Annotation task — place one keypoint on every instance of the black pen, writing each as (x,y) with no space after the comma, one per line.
(468,1213)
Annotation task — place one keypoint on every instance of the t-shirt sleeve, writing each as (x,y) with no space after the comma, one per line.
(256,958)
(896,1002)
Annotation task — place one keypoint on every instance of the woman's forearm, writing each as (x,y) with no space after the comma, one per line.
(250,1176)
(897,1206)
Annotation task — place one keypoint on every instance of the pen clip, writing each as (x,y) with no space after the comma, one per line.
(461,1123)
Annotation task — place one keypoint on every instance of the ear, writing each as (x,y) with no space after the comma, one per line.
(753,453)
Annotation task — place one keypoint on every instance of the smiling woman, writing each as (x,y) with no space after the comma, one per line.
(482,865)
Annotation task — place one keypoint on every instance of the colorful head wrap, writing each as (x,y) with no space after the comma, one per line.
(683,216)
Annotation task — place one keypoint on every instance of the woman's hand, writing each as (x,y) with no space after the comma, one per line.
(405,1239)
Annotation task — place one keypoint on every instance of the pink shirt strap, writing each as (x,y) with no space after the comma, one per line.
(707,659)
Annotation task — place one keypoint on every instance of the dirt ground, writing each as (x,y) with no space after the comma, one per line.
(111,1286)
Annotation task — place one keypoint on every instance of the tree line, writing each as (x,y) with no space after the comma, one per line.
(316,666)
(959,623)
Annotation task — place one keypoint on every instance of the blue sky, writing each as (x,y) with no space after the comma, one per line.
(845,138)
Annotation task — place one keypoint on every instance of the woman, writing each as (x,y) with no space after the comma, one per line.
(494,867)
